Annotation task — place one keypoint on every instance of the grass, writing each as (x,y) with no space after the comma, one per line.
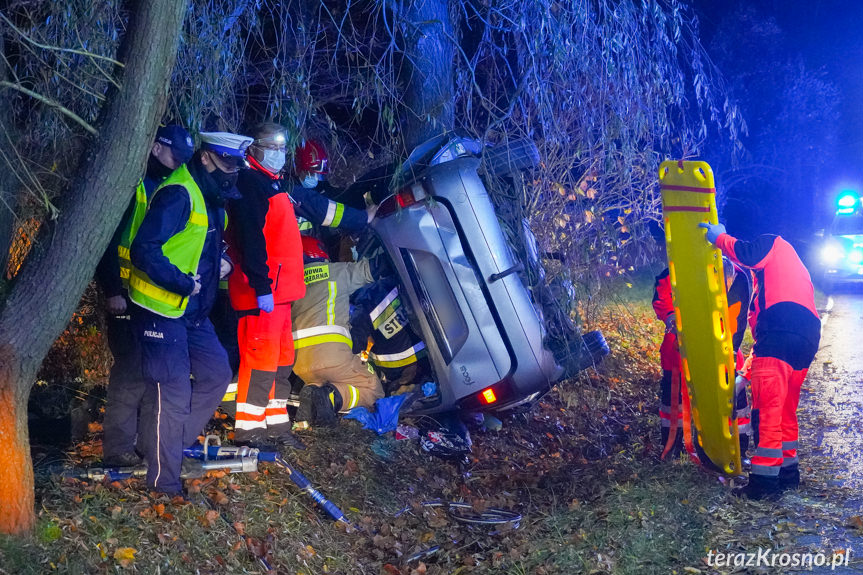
(582,468)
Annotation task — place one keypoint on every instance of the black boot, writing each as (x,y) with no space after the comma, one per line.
(319,405)
(789,477)
(255,438)
(287,438)
(759,487)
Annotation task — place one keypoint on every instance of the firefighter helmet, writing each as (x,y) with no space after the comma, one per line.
(313,249)
(310,157)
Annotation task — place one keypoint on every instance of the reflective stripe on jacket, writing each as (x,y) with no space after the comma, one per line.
(132,224)
(323,314)
(183,250)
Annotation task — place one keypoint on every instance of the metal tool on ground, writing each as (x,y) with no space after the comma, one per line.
(212,453)
(465,513)
(111,473)
(212,456)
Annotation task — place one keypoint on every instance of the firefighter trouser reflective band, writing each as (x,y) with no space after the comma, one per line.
(775,394)
(266,357)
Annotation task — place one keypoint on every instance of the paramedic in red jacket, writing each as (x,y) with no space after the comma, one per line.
(787,331)
(739,292)
(265,247)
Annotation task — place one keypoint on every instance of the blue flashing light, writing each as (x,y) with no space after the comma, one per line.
(848,200)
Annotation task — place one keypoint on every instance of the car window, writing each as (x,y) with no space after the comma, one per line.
(847,225)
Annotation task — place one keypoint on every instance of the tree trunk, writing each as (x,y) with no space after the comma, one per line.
(429,52)
(62,261)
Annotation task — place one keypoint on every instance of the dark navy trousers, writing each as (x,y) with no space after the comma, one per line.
(126,388)
(177,407)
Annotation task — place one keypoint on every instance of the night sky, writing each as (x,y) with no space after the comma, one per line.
(828,35)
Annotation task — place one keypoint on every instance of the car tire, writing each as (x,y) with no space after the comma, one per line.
(512,157)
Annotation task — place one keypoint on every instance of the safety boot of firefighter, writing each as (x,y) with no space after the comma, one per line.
(759,487)
(789,477)
(319,405)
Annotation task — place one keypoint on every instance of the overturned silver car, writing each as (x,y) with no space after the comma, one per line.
(495,334)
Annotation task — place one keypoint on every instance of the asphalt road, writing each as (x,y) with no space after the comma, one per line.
(830,502)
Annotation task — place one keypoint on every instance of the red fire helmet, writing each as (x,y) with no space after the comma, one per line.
(310,157)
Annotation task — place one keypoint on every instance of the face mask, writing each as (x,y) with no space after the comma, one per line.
(224,180)
(310,181)
(156,169)
(274,160)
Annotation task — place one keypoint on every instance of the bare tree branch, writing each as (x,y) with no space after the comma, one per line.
(52,103)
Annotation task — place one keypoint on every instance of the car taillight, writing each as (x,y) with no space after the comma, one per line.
(487,396)
(404,198)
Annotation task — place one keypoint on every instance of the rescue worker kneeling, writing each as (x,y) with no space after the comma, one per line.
(336,379)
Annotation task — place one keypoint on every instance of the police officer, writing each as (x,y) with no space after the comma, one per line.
(177,259)
(336,379)
(787,331)
(172,148)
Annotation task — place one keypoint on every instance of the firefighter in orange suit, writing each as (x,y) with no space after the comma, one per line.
(738,291)
(268,277)
(787,331)
(336,379)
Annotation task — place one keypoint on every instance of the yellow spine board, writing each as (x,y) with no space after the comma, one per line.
(701,307)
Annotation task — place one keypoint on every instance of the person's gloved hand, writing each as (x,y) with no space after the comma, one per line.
(265,303)
(197,279)
(116,305)
(713,231)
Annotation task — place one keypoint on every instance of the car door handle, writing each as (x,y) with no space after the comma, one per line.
(509,271)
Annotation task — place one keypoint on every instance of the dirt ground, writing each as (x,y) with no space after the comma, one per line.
(581,469)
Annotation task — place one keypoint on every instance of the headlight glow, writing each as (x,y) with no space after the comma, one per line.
(832,253)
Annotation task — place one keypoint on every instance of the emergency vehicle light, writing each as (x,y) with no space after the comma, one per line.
(487,396)
(847,200)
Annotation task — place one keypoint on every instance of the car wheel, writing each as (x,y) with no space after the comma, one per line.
(507,158)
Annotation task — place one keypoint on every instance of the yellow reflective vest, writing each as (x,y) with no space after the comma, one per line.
(183,250)
(129,232)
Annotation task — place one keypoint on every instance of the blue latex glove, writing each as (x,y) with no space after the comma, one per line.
(265,303)
(713,231)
